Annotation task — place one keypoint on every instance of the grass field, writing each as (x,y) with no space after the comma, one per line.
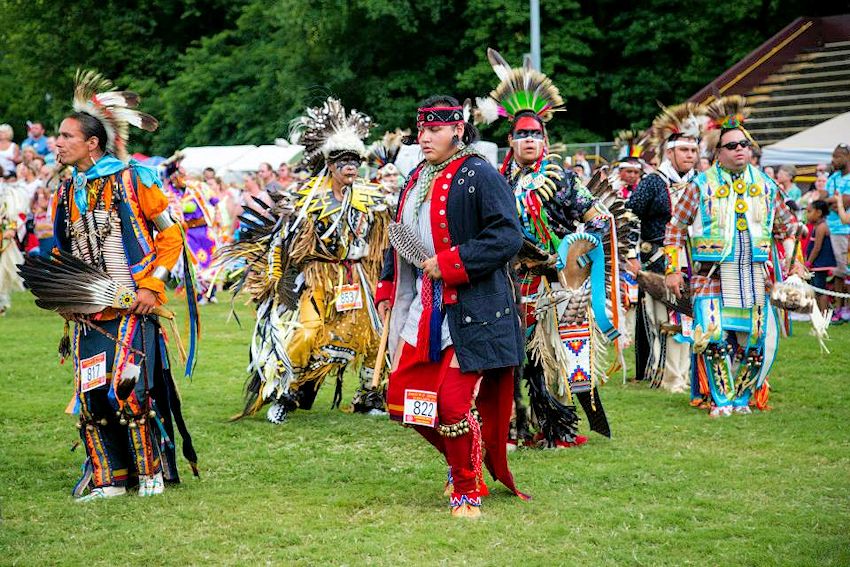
(672,487)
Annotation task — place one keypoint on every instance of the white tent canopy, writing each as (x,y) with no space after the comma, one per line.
(273,155)
(813,145)
(196,159)
(228,159)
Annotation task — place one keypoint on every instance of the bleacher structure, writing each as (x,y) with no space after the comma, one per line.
(795,80)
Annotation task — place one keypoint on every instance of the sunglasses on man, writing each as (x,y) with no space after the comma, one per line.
(732,145)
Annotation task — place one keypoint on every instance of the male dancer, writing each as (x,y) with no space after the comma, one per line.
(454,327)
(662,353)
(727,223)
(114,217)
(557,212)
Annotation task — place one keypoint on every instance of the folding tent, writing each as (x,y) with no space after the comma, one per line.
(811,146)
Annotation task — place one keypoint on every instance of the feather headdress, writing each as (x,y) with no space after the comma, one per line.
(629,144)
(385,150)
(725,113)
(116,110)
(521,89)
(683,120)
(327,129)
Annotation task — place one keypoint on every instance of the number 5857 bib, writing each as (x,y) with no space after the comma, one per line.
(420,408)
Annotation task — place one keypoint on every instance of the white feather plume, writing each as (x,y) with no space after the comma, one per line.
(487,110)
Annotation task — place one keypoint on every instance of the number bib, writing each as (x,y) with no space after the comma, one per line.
(687,326)
(93,372)
(420,407)
(348,298)
(633,293)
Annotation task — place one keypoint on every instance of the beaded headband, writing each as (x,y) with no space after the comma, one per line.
(439,116)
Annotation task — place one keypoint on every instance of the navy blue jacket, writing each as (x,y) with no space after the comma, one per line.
(475,242)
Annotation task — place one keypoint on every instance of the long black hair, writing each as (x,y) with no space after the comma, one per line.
(470,132)
(91,127)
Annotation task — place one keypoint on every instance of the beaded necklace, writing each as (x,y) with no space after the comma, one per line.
(429,172)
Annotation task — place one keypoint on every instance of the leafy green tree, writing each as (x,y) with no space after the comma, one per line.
(238,71)
(136,44)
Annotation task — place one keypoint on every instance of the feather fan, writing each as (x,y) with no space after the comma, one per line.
(68,285)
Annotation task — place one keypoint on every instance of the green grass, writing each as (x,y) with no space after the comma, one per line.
(671,488)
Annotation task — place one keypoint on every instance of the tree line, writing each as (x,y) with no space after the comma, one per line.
(238,71)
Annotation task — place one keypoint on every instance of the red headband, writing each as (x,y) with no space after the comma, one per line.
(440,116)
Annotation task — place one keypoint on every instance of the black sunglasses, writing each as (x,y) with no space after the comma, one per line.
(732,145)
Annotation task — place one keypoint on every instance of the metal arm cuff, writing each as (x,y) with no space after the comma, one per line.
(163,220)
(161,273)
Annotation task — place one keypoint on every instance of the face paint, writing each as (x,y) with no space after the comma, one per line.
(346,161)
(527,123)
(527,139)
(528,135)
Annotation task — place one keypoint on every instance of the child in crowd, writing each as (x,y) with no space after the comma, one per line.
(43,224)
(820,258)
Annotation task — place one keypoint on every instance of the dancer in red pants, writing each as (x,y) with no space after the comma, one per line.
(454,332)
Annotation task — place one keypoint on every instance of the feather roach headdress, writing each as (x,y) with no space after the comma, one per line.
(629,145)
(327,131)
(116,110)
(726,113)
(684,120)
(521,89)
(385,150)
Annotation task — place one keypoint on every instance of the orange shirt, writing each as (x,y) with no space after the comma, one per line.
(166,245)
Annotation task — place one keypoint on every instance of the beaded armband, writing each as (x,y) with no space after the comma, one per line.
(672,255)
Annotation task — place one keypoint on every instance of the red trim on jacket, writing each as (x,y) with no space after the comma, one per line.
(451,266)
(385,292)
(448,257)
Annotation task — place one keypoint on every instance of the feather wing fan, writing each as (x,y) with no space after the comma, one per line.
(66,284)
